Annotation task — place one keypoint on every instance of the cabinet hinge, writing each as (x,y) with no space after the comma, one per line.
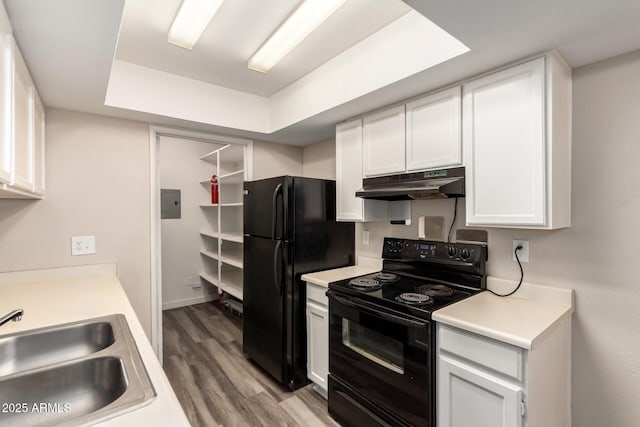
(523,408)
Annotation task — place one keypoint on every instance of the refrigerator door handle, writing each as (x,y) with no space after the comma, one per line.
(274,210)
(277,267)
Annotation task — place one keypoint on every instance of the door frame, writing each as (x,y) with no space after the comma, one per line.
(155,243)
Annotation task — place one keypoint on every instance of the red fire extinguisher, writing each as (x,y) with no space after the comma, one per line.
(214,190)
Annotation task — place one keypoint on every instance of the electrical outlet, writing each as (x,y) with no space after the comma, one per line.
(365,237)
(83,245)
(523,253)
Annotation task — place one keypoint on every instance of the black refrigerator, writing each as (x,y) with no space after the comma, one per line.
(290,229)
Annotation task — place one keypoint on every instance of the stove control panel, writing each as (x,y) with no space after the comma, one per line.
(442,252)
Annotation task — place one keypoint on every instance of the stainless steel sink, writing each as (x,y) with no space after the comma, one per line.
(52,345)
(82,373)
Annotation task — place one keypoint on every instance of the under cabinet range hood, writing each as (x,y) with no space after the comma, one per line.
(435,184)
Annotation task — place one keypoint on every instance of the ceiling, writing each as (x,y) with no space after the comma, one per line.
(236,31)
(72,48)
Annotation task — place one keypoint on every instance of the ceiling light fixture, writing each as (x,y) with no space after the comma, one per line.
(191,20)
(306,18)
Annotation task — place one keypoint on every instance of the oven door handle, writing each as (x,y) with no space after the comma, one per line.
(377,312)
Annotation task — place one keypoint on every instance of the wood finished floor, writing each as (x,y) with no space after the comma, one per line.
(218,386)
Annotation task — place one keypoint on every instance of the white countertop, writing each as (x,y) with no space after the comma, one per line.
(323,278)
(523,320)
(67,300)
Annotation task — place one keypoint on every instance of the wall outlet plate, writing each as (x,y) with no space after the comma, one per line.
(365,237)
(523,254)
(83,245)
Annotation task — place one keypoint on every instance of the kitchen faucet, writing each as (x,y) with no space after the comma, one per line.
(15,315)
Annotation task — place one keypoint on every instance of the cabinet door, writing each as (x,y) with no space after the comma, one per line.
(349,178)
(317,344)
(6,106)
(38,146)
(433,131)
(469,397)
(384,142)
(504,143)
(349,171)
(22,169)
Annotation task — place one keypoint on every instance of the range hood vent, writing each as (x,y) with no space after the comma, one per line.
(434,184)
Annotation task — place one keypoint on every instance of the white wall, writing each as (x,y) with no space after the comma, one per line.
(97,184)
(181,169)
(270,160)
(596,256)
(319,160)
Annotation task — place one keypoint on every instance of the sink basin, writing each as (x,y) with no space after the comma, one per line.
(42,347)
(55,395)
(79,373)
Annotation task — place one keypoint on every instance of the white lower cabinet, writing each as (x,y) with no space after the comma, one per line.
(474,397)
(482,382)
(317,337)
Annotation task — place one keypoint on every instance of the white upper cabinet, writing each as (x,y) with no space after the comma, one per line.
(517,143)
(384,142)
(38,146)
(349,176)
(6,72)
(348,170)
(22,135)
(433,131)
(23,106)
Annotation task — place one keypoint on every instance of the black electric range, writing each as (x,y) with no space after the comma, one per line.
(419,277)
(381,337)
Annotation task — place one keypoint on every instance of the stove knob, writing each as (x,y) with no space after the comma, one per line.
(451,251)
(465,254)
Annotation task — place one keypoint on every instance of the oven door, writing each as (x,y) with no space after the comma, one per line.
(385,356)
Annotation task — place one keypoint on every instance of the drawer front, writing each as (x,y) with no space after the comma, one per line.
(498,356)
(317,294)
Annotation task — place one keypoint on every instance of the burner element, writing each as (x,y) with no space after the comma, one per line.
(435,290)
(386,277)
(365,284)
(413,298)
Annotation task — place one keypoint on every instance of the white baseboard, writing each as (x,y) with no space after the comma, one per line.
(188,301)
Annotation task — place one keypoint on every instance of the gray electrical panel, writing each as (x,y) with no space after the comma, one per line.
(169,204)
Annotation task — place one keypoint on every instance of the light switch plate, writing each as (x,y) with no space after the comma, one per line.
(83,245)
(365,237)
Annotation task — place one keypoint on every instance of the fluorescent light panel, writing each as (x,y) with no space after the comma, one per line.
(191,20)
(306,18)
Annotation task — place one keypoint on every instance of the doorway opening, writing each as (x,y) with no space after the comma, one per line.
(187,228)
